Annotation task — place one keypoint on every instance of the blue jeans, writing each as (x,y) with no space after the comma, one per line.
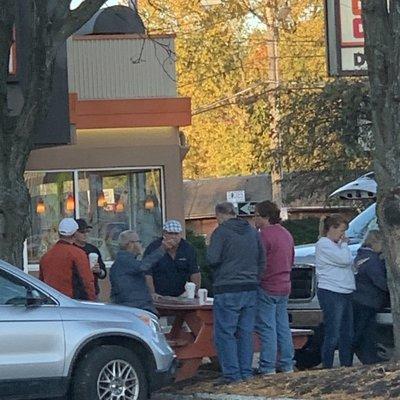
(234,318)
(337,309)
(274,331)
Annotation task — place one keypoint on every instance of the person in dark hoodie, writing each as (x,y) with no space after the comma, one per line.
(237,257)
(370,296)
(127,274)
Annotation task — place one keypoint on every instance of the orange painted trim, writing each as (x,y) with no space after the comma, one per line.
(126,36)
(91,114)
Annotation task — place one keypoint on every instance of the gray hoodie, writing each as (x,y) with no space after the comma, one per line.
(237,256)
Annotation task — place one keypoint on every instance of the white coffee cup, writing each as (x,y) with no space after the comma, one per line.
(202,295)
(93,259)
(190,288)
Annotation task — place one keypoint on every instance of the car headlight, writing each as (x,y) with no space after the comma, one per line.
(152,323)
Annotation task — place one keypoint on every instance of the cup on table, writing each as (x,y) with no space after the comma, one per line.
(93,259)
(190,289)
(202,295)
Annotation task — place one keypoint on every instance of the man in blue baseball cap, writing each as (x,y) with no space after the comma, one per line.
(178,266)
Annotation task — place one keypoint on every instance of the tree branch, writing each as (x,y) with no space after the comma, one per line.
(68,25)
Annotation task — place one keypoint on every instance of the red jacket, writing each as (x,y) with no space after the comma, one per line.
(66,268)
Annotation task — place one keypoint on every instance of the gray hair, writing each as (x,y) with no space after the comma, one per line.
(225,208)
(125,238)
(372,237)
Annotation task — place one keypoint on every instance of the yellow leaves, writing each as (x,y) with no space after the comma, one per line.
(222,50)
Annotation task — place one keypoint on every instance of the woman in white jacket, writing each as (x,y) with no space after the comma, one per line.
(335,281)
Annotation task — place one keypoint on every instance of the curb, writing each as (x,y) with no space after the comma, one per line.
(211,396)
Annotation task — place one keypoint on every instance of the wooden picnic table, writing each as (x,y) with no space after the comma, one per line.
(191,345)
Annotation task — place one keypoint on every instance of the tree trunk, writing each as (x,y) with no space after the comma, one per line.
(14,217)
(50,22)
(382,48)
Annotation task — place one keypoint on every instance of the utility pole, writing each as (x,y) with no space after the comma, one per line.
(273,75)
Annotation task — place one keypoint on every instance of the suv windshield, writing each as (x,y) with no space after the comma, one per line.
(359,225)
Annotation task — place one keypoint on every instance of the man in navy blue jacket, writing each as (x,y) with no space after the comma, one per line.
(370,296)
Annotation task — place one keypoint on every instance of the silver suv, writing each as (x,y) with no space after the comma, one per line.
(51,345)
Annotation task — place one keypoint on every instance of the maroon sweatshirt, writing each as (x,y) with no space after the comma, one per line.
(279,248)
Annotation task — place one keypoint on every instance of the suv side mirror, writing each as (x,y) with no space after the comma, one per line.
(33,298)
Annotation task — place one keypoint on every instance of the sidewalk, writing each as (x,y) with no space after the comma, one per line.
(210,396)
(380,381)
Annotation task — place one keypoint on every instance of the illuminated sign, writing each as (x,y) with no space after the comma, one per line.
(345,37)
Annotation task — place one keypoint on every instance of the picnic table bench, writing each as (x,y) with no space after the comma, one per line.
(191,345)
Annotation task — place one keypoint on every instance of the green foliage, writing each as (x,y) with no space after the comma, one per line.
(325,129)
(199,243)
(303,230)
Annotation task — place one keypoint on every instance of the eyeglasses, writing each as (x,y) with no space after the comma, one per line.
(135,241)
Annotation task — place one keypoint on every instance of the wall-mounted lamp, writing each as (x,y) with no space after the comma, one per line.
(101,200)
(70,203)
(119,207)
(149,203)
(40,206)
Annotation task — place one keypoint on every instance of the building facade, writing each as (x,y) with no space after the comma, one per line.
(123,169)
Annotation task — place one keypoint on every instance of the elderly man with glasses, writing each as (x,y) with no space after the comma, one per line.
(127,274)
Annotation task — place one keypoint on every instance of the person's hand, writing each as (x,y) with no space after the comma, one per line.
(344,239)
(96,268)
(168,244)
(156,296)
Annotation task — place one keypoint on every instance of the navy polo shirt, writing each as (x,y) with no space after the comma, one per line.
(170,275)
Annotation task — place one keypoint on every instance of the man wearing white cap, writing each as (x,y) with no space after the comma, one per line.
(66,267)
(178,266)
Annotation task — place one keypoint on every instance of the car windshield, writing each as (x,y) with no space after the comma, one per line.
(359,225)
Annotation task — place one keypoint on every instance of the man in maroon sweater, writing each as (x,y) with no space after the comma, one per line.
(273,294)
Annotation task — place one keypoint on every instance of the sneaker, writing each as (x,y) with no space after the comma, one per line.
(224,381)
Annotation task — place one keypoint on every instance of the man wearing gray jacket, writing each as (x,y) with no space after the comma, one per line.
(237,257)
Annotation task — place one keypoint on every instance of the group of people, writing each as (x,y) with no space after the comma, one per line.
(350,292)
(251,290)
(251,283)
(249,293)
(167,264)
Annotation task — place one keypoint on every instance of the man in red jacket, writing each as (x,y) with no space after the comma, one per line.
(66,267)
(273,294)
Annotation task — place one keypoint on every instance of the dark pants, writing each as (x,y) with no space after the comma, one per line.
(364,334)
(337,310)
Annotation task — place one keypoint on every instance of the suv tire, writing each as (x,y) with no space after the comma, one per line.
(113,372)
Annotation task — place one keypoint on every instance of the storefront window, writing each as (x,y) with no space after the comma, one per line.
(113,201)
(52,198)
(110,201)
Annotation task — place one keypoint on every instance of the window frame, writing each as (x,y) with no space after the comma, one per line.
(28,285)
(34,267)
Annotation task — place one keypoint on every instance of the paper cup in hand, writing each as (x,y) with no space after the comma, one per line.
(93,259)
(190,288)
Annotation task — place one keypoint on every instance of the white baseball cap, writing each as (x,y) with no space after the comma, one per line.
(67,227)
